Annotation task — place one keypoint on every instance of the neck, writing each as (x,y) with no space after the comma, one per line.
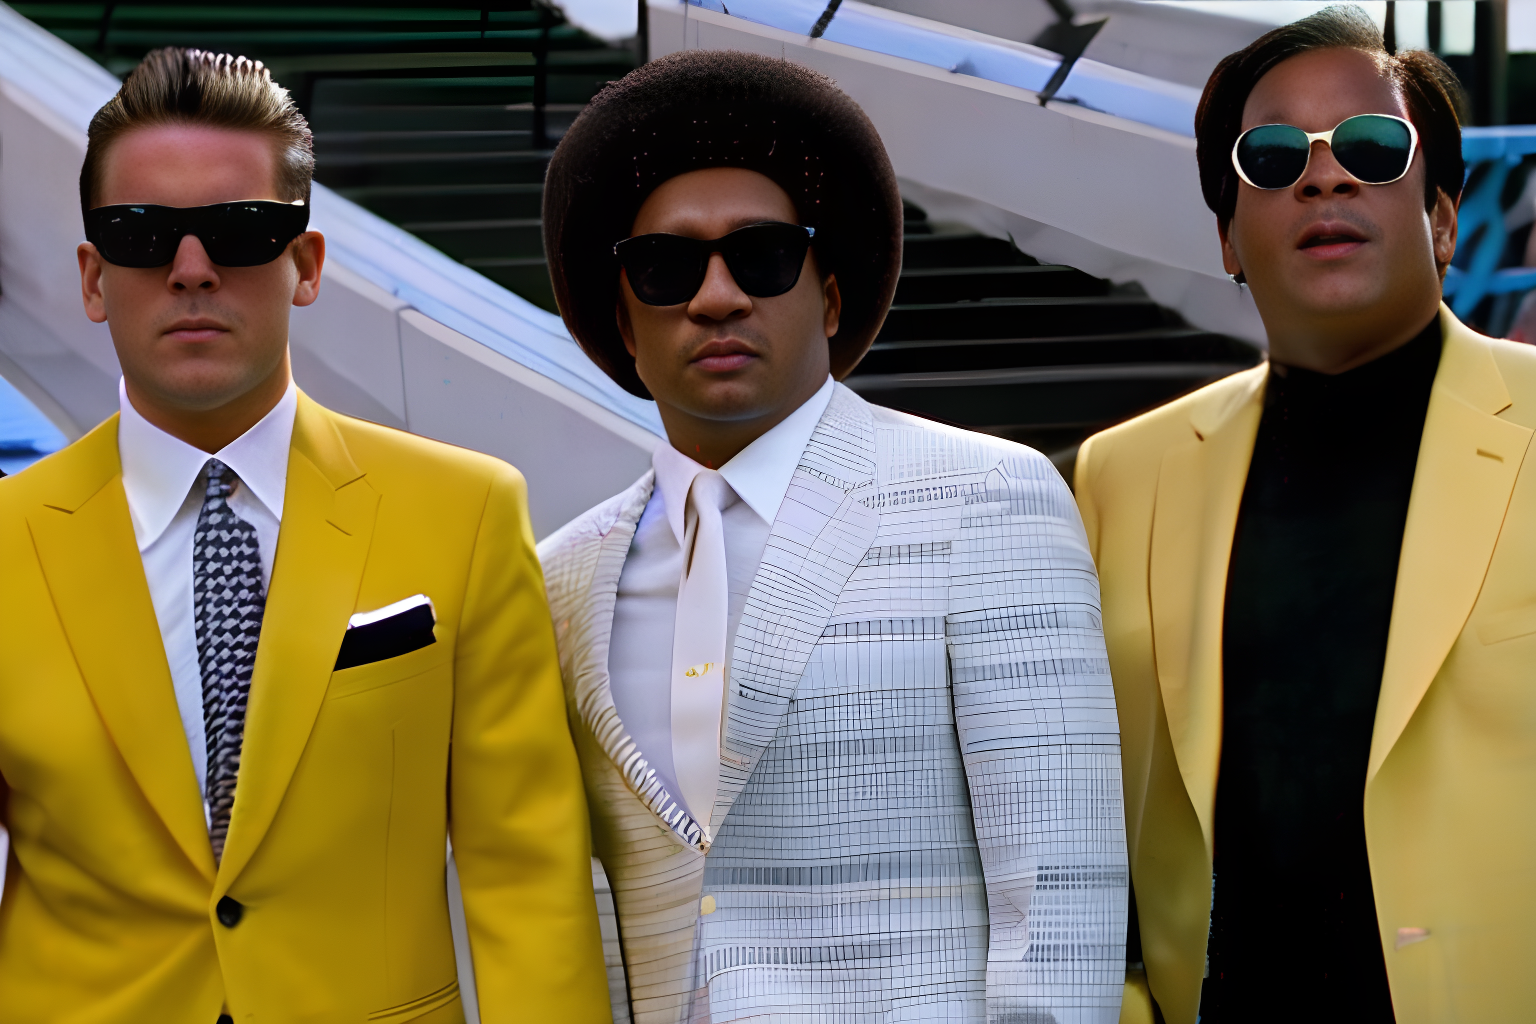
(212,430)
(1336,344)
(714,442)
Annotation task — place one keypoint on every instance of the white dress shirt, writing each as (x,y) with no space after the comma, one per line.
(164,481)
(644,618)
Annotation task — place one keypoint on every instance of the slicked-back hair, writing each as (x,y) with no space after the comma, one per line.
(176,86)
(1429,88)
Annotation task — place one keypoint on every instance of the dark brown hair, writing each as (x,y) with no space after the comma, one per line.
(195,87)
(1431,90)
(720,108)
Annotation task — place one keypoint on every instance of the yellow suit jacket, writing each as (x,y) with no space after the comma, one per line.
(350,781)
(1450,793)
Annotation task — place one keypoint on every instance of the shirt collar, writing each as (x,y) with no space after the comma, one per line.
(159,470)
(759,474)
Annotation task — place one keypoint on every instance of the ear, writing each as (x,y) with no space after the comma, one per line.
(831,305)
(1229,261)
(1442,230)
(309,258)
(90,282)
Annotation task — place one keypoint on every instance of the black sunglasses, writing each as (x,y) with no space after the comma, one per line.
(1376,149)
(245,234)
(665,270)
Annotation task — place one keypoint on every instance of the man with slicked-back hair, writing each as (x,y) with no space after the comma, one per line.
(260,662)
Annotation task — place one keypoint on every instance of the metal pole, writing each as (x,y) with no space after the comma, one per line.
(1432,25)
(643,34)
(1490,62)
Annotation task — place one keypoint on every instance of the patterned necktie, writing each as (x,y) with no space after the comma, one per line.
(699,646)
(229,601)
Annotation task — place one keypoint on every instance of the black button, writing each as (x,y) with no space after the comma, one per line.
(225,1018)
(229,912)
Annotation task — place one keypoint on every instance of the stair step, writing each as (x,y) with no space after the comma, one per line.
(1089,397)
(416,203)
(1161,345)
(922,252)
(1022,318)
(440,169)
(966,284)
(468,241)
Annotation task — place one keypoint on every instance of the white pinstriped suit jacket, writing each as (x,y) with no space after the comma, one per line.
(919,803)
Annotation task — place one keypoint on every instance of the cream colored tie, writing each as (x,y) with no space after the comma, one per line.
(698,646)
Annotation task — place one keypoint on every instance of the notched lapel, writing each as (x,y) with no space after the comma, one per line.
(1199,491)
(1468,461)
(322,549)
(819,537)
(85,544)
(586,635)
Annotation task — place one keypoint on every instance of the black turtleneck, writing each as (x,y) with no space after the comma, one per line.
(1308,605)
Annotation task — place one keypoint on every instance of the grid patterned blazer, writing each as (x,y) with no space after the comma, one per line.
(919,804)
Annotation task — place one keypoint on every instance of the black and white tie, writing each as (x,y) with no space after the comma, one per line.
(229,601)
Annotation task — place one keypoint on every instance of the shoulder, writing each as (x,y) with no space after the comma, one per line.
(1517,365)
(1137,445)
(593,525)
(67,478)
(983,468)
(912,446)
(400,455)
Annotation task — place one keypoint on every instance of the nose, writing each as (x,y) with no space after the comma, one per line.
(719,297)
(192,270)
(1324,176)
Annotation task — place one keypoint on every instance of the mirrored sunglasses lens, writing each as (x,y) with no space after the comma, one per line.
(246,235)
(662,270)
(136,236)
(1273,155)
(765,259)
(1373,148)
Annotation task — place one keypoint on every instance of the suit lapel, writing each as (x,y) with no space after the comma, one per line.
(1468,462)
(85,543)
(322,548)
(1199,490)
(586,636)
(819,537)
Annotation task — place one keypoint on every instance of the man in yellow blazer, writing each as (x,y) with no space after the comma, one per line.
(1319,582)
(258,661)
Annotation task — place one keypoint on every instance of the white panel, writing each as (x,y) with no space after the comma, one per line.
(574,452)
(346,347)
(1114,182)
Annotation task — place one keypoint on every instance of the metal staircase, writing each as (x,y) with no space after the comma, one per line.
(442,118)
(986,337)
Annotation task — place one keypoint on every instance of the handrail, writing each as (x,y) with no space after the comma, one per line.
(1127,94)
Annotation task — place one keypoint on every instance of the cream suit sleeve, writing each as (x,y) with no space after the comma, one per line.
(518,815)
(1038,731)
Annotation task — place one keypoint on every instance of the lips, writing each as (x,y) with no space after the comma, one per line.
(723,356)
(196,330)
(1330,241)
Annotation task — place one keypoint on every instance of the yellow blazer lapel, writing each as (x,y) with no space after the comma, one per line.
(328,516)
(1468,461)
(1199,490)
(84,540)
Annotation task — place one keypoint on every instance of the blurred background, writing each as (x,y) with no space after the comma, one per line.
(1060,274)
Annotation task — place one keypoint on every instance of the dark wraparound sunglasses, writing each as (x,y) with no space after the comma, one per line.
(1376,149)
(245,234)
(665,270)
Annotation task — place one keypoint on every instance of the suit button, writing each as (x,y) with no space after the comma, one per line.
(229,912)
